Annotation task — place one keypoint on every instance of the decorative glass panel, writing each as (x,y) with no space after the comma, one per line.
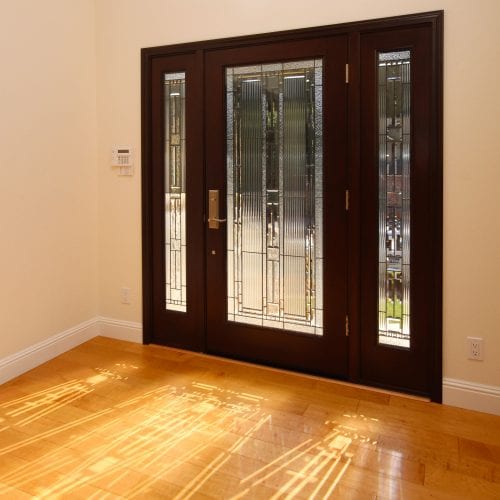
(175,192)
(394,197)
(274,195)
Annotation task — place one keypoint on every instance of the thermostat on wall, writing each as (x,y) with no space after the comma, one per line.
(121,156)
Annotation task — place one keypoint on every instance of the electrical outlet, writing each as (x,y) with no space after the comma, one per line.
(125,295)
(475,348)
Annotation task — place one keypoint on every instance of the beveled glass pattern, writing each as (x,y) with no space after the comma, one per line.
(175,191)
(274,195)
(394,88)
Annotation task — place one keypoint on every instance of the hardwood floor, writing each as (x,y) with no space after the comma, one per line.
(112,419)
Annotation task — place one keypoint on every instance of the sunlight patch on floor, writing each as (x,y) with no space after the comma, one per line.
(161,432)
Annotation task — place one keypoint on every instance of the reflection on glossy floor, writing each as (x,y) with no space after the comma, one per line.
(112,419)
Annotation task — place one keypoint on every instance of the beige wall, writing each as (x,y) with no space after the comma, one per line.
(471,138)
(54,241)
(48,176)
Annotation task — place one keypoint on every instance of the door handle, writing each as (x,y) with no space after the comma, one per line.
(213,209)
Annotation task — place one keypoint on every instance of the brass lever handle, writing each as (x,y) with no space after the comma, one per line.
(213,209)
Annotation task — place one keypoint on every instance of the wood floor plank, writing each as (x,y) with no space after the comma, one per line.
(113,419)
(460,485)
(7,491)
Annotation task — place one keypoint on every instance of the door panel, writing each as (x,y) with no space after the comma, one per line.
(177,216)
(283,184)
(396,173)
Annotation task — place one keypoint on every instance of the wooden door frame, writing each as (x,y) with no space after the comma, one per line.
(434,21)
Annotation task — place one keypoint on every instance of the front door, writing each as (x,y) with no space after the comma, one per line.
(276,217)
(292,200)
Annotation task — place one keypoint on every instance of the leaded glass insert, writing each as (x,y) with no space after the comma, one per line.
(175,191)
(394,89)
(275,195)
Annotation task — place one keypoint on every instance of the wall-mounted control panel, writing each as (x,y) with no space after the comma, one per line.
(122,157)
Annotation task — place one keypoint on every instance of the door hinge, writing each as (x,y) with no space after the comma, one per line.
(347,73)
(347,325)
(347,199)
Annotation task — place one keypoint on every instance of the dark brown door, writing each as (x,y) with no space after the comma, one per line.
(276,157)
(292,207)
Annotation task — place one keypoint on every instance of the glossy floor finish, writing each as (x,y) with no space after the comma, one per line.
(113,419)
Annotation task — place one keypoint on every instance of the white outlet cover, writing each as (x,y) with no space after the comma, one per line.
(125,295)
(475,348)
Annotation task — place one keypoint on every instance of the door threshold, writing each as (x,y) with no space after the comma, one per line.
(299,374)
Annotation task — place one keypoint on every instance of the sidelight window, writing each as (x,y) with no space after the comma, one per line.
(175,191)
(394,88)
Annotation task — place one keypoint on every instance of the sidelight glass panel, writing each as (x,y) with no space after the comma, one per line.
(394,96)
(274,195)
(175,191)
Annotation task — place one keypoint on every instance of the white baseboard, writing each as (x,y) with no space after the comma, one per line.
(471,396)
(20,362)
(120,329)
(29,358)
(456,392)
